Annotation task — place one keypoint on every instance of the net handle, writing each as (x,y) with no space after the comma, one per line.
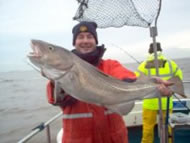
(156,19)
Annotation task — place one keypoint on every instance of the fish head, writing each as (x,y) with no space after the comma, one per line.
(53,61)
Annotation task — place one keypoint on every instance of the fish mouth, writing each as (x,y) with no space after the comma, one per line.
(36,51)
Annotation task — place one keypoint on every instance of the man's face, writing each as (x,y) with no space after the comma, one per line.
(85,42)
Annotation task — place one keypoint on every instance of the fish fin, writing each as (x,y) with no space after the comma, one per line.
(122,109)
(177,87)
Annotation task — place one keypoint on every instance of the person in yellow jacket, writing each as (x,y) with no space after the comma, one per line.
(167,69)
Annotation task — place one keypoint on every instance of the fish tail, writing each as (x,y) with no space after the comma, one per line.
(177,87)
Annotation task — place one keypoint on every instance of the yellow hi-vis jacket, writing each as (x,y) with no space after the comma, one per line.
(167,69)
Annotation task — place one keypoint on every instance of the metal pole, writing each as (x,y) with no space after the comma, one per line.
(153,34)
(48,134)
(26,138)
(39,128)
(166,120)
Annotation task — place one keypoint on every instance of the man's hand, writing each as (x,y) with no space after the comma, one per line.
(163,87)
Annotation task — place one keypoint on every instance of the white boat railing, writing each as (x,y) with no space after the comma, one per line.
(41,127)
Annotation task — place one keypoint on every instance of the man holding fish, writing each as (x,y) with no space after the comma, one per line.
(95,124)
(93,94)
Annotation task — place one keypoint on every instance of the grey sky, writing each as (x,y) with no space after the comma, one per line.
(51,20)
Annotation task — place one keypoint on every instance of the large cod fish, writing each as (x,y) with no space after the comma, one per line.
(86,83)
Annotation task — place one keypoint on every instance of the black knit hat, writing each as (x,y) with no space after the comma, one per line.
(85,26)
(151,49)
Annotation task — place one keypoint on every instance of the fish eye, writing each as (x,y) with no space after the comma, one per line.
(51,48)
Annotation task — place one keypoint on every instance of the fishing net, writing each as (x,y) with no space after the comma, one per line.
(117,13)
